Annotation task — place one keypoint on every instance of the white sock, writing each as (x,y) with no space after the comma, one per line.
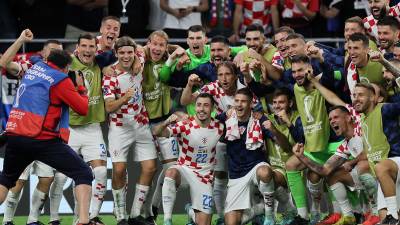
(249,214)
(157,195)
(339,191)
(10,205)
(56,193)
(267,191)
(391,204)
(141,192)
(119,203)
(38,200)
(168,197)
(219,195)
(98,190)
(303,212)
(315,191)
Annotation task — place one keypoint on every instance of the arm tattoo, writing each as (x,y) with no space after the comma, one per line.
(323,170)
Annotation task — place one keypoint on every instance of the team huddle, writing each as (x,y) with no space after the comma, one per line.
(259,125)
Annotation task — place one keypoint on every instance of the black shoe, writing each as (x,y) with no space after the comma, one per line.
(151,220)
(54,222)
(298,220)
(35,223)
(389,220)
(359,218)
(155,212)
(139,220)
(123,222)
(9,223)
(97,221)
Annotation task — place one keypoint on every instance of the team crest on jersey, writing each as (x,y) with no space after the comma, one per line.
(204,140)
(242,129)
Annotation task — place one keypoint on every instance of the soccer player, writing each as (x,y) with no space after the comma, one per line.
(129,127)
(198,137)
(157,100)
(38,127)
(86,134)
(109,30)
(388,33)
(319,144)
(246,158)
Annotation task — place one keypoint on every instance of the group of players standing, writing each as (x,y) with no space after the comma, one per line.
(261,118)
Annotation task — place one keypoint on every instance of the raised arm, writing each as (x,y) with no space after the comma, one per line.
(26,36)
(377,56)
(161,130)
(329,96)
(187,95)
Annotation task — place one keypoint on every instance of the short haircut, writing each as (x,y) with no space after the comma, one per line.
(300,59)
(283,91)
(295,36)
(110,18)
(87,36)
(355,19)
(124,41)
(220,39)
(366,86)
(255,27)
(340,107)
(245,91)
(197,28)
(382,91)
(230,65)
(159,33)
(284,29)
(360,37)
(206,95)
(60,58)
(389,21)
(51,41)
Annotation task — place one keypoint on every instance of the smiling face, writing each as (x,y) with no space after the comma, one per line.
(281,102)
(86,50)
(254,40)
(377,8)
(387,36)
(242,105)
(227,79)
(158,47)
(126,57)
(362,99)
(299,73)
(295,47)
(204,107)
(109,30)
(339,121)
(358,53)
(219,52)
(280,43)
(196,42)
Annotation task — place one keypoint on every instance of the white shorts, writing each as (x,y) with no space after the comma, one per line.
(122,138)
(168,147)
(87,140)
(39,169)
(381,197)
(221,157)
(240,190)
(200,193)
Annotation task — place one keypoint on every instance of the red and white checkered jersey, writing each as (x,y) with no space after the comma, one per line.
(197,146)
(224,102)
(291,10)
(353,146)
(370,23)
(256,11)
(115,85)
(23,61)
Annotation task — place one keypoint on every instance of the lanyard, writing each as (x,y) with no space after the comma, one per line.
(124,4)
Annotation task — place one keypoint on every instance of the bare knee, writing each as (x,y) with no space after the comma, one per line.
(149,167)
(313,177)
(264,173)
(44,184)
(386,167)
